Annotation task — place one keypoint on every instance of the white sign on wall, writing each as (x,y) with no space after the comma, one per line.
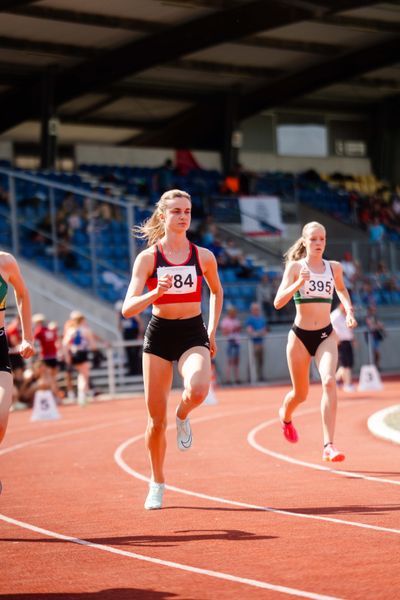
(261,215)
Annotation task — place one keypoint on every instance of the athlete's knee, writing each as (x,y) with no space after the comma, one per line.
(156,426)
(196,392)
(328,381)
(299,394)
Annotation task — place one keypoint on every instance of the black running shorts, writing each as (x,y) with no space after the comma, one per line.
(170,338)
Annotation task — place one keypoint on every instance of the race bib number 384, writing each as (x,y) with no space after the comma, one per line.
(184,278)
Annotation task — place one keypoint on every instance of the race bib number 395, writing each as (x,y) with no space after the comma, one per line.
(184,278)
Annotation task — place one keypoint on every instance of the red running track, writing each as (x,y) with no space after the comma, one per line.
(247,515)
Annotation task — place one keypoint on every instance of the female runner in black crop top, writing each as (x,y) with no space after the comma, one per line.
(172,269)
(310,279)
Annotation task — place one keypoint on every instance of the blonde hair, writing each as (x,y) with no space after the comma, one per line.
(153,228)
(298,249)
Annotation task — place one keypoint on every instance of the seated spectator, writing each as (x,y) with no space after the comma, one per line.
(349,271)
(131,329)
(230,328)
(231,184)
(233,252)
(67,257)
(246,180)
(377,235)
(38,378)
(256,327)
(367,294)
(376,333)
(265,296)
(164,177)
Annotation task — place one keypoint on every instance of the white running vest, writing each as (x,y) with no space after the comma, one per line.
(319,288)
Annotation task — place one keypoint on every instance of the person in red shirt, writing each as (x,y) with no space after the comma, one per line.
(47,340)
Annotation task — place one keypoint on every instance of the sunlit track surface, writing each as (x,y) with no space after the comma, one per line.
(83,515)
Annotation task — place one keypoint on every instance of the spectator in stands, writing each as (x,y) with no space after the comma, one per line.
(246,180)
(35,379)
(173,269)
(381,275)
(367,293)
(66,256)
(238,181)
(234,253)
(207,232)
(377,235)
(48,343)
(164,177)
(10,275)
(311,280)
(345,336)
(78,341)
(349,271)
(256,328)
(231,328)
(131,330)
(231,184)
(375,334)
(265,296)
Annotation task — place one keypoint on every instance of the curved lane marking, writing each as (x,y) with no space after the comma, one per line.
(188,568)
(112,550)
(125,467)
(352,474)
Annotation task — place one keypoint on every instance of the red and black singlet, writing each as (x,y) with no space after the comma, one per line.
(187,277)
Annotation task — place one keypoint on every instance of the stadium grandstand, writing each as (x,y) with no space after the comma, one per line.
(270,114)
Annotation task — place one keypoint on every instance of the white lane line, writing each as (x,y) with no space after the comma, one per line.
(168,563)
(60,434)
(121,463)
(352,474)
(215,574)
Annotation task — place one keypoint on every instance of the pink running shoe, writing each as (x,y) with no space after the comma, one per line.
(332,454)
(289,432)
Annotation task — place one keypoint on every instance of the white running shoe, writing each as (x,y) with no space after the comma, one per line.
(155,496)
(183,434)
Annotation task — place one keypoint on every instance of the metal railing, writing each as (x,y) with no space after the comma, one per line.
(113,380)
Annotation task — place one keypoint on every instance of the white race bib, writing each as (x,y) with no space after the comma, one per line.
(184,278)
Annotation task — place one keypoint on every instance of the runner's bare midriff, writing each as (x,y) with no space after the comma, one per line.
(177,311)
(313,315)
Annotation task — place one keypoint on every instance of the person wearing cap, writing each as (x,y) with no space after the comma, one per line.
(10,274)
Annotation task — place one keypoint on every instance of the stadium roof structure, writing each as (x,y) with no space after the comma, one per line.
(168,72)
